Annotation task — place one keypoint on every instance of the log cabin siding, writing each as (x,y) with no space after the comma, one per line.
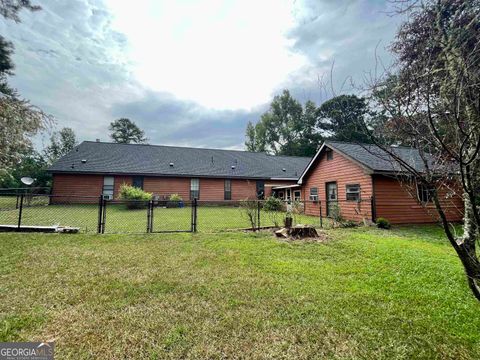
(397,203)
(344,172)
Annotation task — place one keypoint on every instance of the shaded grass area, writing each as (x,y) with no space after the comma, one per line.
(365,293)
(119,219)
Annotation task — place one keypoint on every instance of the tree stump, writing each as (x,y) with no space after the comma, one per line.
(297,232)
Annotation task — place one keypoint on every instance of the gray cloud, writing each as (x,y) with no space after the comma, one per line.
(72,64)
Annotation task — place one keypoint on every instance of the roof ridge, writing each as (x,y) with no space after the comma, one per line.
(195,148)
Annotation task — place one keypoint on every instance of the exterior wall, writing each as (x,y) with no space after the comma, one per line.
(72,186)
(343,171)
(164,186)
(211,189)
(395,202)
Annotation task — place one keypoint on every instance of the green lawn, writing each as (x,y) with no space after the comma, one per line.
(121,220)
(362,294)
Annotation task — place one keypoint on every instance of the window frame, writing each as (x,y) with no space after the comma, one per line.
(108,189)
(313,197)
(299,198)
(227,194)
(424,190)
(140,178)
(347,192)
(194,190)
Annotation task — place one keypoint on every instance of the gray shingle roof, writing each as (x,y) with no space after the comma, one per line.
(111,158)
(377,159)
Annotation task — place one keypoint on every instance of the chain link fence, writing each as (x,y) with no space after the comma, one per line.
(97,215)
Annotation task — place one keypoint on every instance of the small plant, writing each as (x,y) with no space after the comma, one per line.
(348,224)
(383,223)
(136,197)
(174,201)
(175,197)
(273,207)
(249,209)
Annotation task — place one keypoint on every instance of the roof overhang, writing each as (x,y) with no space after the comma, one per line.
(367,169)
(286,187)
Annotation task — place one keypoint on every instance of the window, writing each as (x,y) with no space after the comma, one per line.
(314,194)
(194,189)
(108,186)
(281,195)
(425,193)
(137,181)
(353,192)
(329,154)
(228,190)
(297,195)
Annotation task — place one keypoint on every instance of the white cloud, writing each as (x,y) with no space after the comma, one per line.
(220,54)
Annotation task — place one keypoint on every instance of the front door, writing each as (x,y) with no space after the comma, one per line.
(260,189)
(332,198)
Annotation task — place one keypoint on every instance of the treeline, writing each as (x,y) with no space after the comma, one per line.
(290,128)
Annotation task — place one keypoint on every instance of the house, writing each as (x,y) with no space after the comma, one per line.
(363,182)
(96,168)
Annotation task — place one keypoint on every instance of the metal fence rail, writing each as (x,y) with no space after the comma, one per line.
(97,215)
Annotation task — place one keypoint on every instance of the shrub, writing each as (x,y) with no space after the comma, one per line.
(136,197)
(175,197)
(249,209)
(273,204)
(175,201)
(383,223)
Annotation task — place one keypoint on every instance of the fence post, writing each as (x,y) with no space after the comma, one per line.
(100,214)
(149,216)
(194,215)
(20,212)
(321,216)
(258,215)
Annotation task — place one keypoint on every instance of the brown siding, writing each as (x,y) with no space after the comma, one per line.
(74,187)
(343,171)
(244,189)
(164,186)
(397,203)
(118,182)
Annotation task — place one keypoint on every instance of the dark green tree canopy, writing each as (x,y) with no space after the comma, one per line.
(61,143)
(342,118)
(125,131)
(287,128)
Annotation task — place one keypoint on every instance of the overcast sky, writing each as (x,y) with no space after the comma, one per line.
(189,72)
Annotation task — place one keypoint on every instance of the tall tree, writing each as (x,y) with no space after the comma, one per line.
(61,143)
(125,131)
(433,104)
(342,118)
(19,120)
(286,128)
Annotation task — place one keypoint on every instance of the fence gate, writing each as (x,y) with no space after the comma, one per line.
(172,216)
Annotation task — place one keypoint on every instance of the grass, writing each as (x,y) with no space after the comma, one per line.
(121,220)
(363,294)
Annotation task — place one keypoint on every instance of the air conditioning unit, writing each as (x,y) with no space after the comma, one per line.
(107,197)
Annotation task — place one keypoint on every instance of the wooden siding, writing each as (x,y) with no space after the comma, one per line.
(395,202)
(342,171)
(165,186)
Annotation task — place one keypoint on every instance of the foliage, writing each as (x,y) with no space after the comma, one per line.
(61,143)
(286,128)
(31,164)
(19,120)
(430,101)
(383,223)
(342,117)
(273,207)
(273,203)
(125,131)
(249,210)
(334,212)
(137,197)
(175,197)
